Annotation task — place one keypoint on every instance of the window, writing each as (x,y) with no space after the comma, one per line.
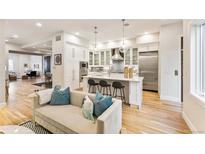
(11,65)
(198,60)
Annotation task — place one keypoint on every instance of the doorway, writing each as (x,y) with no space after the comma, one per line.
(47,64)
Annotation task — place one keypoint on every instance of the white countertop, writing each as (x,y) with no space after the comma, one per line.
(113,76)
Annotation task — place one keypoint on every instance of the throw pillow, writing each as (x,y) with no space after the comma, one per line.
(60,96)
(101,104)
(87,108)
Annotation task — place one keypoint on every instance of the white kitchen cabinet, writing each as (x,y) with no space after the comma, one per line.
(107,57)
(96,59)
(127,57)
(135,57)
(131,56)
(73,55)
(102,58)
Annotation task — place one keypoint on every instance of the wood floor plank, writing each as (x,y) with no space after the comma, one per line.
(155,116)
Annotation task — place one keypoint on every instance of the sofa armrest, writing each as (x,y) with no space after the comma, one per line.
(110,122)
(39,100)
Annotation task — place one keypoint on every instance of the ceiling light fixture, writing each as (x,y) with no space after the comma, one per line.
(77,33)
(123,48)
(6,40)
(15,36)
(38,24)
(146,33)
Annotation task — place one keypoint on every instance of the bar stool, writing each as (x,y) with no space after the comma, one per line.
(92,86)
(118,86)
(105,88)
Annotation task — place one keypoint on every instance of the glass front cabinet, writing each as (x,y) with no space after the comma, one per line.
(131,57)
(103,57)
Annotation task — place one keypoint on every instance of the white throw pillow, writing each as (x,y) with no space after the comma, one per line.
(87,108)
(45,96)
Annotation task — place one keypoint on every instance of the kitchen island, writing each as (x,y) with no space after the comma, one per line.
(133,86)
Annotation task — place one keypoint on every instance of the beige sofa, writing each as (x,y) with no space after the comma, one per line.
(69,118)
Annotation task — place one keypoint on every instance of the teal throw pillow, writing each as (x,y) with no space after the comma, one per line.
(60,96)
(101,104)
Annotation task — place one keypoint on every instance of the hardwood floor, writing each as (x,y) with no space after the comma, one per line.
(155,116)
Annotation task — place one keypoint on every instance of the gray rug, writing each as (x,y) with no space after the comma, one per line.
(36,129)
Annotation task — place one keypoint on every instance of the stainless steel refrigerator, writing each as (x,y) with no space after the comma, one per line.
(148,68)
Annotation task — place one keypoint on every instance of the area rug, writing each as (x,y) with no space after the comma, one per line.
(36,129)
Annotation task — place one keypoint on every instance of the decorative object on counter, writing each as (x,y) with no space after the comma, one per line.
(105,88)
(123,48)
(126,72)
(92,86)
(57,59)
(131,72)
(118,86)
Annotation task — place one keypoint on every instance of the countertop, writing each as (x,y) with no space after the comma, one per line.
(113,76)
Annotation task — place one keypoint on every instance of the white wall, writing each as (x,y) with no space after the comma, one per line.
(2,63)
(148,42)
(169,61)
(72,49)
(20,59)
(193,108)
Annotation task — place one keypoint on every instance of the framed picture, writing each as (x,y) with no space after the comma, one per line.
(36,66)
(57,59)
(26,65)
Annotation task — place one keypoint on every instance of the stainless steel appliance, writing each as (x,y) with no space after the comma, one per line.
(117,62)
(148,68)
(83,69)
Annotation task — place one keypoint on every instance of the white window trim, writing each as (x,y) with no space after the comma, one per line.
(193,61)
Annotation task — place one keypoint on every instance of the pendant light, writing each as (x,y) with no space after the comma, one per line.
(123,47)
(95,33)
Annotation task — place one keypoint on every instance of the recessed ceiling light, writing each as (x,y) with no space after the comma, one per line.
(77,33)
(6,40)
(15,36)
(38,24)
(146,33)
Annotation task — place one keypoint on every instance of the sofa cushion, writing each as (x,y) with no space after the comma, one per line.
(60,96)
(66,118)
(101,103)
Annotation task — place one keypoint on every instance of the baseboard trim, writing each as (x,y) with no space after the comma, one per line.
(189,123)
(168,98)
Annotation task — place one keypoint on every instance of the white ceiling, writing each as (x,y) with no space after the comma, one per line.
(109,29)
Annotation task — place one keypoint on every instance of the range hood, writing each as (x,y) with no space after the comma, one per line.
(117,56)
